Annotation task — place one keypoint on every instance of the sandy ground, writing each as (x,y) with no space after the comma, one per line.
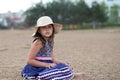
(95,52)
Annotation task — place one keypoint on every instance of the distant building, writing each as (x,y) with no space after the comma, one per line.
(3,23)
(11,19)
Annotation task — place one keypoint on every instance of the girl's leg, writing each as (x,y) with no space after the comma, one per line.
(78,75)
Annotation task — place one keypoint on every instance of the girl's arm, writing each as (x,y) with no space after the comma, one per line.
(54,59)
(57,61)
(32,55)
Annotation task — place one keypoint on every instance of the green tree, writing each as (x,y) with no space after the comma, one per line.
(104,14)
(82,12)
(33,13)
(114,14)
(60,11)
(98,14)
(67,12)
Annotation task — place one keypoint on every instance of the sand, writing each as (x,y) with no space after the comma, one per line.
(95,52)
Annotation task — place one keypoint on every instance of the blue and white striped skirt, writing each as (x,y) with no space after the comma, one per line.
(59,72)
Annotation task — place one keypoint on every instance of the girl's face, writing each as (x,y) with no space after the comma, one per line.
(46,31)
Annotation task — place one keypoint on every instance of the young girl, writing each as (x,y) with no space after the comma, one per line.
(41,64)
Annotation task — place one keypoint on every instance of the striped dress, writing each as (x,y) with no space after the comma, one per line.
(59,72)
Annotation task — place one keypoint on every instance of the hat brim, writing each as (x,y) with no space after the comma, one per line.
(57,28)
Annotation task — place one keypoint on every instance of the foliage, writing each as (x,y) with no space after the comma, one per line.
(98,12)
(67,12)
(114,14)
(33,13)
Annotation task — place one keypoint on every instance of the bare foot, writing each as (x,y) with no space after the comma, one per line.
(79,75)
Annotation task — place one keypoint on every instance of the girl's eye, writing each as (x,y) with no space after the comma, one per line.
(50,26)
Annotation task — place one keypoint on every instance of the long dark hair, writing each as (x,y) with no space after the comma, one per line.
(42,39)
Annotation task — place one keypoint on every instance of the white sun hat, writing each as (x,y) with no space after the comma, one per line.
(44,21)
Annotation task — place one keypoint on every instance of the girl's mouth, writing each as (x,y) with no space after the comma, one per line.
(47,33)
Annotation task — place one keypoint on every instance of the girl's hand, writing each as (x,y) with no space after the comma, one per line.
(50,65)
(68,64)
